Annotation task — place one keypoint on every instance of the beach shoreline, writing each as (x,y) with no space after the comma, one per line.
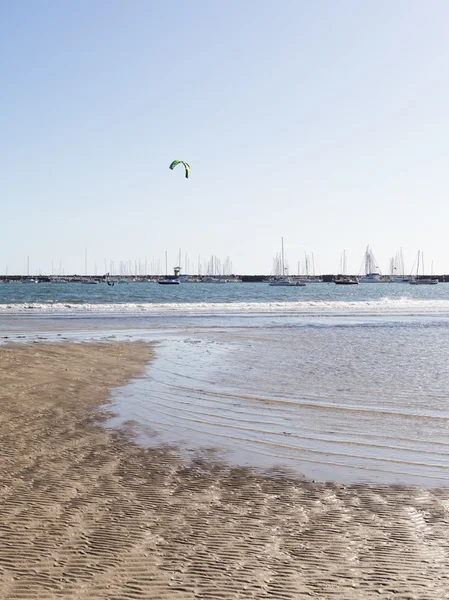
(85,512)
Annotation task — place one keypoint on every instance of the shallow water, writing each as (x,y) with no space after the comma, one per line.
(334,403)
(331,385)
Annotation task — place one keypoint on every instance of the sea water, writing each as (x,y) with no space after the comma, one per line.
(334,383)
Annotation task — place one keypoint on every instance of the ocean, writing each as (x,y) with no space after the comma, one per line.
(333,383)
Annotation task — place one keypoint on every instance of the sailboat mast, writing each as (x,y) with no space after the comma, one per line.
(283,267)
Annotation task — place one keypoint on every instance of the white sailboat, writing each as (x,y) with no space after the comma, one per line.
(397,268)
(372,271)
(285,281)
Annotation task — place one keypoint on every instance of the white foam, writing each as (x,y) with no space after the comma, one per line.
(384,306)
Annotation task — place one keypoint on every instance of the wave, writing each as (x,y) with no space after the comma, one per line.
(384,306)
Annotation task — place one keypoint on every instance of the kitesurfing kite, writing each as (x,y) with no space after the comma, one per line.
(186,166)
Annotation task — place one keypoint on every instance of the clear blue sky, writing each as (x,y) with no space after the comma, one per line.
(323,122)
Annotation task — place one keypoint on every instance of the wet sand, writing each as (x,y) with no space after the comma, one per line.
(86,513)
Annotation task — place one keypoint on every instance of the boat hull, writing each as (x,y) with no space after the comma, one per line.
(286,284)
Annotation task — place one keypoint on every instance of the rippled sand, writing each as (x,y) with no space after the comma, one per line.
(86,514)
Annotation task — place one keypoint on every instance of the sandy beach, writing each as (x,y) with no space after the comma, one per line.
(87,513)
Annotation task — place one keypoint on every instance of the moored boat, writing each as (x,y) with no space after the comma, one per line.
(345,280)
(372,271)
(422,279)
(286,282)
(283,280)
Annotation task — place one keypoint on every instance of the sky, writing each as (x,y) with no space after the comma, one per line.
(324,123)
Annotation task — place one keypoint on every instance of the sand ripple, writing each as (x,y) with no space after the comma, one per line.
(90,515)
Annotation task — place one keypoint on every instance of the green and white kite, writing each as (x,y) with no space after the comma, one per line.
(181,162)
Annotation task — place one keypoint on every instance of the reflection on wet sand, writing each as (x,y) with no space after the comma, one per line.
(337,403)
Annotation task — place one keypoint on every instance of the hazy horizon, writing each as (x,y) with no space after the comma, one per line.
(307,264)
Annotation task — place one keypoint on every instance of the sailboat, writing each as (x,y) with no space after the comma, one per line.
(372,271)
(284,281)
(422,280)
(344,279)
(397,268)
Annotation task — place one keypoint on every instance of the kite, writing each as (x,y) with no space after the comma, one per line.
(181,162)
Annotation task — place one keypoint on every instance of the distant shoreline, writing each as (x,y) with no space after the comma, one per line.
(328,278)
